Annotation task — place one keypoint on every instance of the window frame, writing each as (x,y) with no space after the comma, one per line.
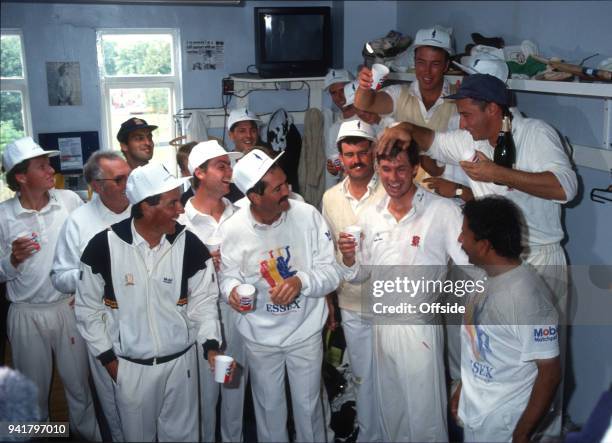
(172,81)
(19,84)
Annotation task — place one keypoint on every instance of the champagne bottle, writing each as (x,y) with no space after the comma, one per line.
(505,151)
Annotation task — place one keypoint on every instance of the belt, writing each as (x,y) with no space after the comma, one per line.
(157,360)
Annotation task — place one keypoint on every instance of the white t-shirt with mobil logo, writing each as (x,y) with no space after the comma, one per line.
(506,328)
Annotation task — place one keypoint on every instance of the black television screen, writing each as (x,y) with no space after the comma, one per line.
(292,42)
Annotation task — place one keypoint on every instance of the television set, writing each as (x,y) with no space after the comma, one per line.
(293,42)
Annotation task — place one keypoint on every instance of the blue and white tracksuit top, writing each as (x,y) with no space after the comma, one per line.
(124,310)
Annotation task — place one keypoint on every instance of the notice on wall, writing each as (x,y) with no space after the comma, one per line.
(71,153)
(204,54)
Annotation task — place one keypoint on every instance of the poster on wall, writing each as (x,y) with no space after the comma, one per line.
(64,83)
(71,153)
(204,54)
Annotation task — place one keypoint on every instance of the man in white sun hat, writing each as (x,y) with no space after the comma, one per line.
(340,85)
(342,205)
(147,292)
(41,321)
(243,129)
(211,168)
(422,102)
(285,250)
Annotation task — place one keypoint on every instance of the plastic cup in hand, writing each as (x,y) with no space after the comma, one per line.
(223,368)
(355,232)
(335,159)
(213,243)
(246,295)
(379,73)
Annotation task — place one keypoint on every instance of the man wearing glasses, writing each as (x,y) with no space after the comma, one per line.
(106,172)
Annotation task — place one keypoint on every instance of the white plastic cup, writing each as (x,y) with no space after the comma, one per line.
(32,236)
(213,243)
(246,294)
(355,232)
(349,93)
(223,368)
(335,159)
(469,156)
(379,73)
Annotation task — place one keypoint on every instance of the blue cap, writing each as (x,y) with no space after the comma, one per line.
(483,87)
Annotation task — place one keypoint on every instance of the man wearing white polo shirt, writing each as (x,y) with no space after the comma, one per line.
(106,172)
(211,168)
(147,292)
(41,321)
(417,230)
(285,250)
(342,206)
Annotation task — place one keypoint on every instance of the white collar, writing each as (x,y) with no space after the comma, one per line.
(417,205)
(416,91)
(192,213)
(371,187)
(263,226)
(19,209)
(139,241)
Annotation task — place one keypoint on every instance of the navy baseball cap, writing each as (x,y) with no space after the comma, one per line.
(131,125)
(483,87)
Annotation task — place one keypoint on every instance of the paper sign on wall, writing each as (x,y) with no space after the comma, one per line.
(204,54)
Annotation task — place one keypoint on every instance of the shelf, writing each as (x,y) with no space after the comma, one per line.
(602,90)
(254,78)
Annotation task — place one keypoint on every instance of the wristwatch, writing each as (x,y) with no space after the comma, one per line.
(458,191)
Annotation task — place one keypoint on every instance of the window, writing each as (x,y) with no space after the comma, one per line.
(14,103)
(140,77)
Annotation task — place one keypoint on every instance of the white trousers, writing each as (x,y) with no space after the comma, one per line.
(209,396)
(411,383)
(39,331)
(159,402)
(550,263)
(302,362)
(497,427)
(106,394)
(232,395)
(358,333)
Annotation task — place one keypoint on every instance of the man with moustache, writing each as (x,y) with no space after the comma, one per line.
(211,168)
(136,140)
(510,344)
(417,230)
(342,206)
(41,322)
(285,250)
(107,173)
(147,292)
